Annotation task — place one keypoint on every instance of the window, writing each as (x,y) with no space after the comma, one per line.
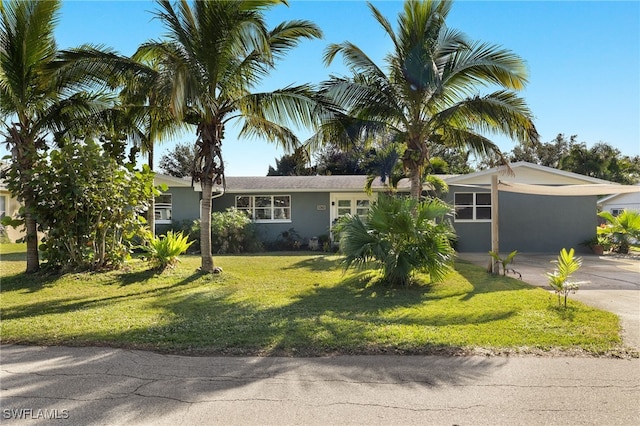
(265,208)
(3,206)
(163,209)
(616,212)
(472,206)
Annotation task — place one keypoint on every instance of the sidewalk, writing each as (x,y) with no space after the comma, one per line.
(101,386)
(613,284)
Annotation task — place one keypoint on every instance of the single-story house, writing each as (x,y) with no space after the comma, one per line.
(616,203)
(528,222)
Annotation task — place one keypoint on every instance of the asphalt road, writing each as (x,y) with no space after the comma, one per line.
(100,386)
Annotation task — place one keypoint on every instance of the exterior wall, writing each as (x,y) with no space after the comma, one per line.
(12,206)
(531,223)
(185,203)
(622,202)
(536,223)
(309,215)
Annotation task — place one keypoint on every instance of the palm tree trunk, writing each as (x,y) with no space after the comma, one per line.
(205,226)
(33,261)
(151,213)
(416,183)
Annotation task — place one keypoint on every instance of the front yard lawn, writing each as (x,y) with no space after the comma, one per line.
(291,304)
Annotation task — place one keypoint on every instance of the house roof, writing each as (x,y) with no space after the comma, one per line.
(526,173)
(612,197)
(334,183)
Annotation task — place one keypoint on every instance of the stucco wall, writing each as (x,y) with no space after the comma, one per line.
(531,223)
(306,219)
(185,204)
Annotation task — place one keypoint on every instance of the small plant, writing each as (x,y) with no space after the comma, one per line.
(568,264)
(622,230)
(505,261)
(164,250)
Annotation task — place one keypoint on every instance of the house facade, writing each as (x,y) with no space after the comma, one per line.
(9,206)
(308,204)
(312,204)
(526,222)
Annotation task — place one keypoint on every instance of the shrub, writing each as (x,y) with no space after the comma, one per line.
(233,231)
(164,250)
(621,230)
(400,236)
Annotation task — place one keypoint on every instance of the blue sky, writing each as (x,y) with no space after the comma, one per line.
(583,59)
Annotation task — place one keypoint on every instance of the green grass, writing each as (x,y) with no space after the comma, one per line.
(291,304)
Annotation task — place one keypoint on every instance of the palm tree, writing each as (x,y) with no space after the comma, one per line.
(217,51)
(621,230)
(33,102)
(428,96)
(44,93)
(400,236)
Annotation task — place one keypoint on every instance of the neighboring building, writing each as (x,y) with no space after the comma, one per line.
(9,206)
(616,203)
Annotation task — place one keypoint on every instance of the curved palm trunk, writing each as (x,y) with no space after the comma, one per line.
(209,157)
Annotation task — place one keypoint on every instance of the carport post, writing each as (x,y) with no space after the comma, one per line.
(495,238)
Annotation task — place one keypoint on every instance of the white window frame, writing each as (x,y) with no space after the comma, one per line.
(3,205)
(616,211)
(166,207)
(474,206)
(277,214)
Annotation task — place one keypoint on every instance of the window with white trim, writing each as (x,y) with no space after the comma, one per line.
(616,212)
(3,206)
(163,209)
(265,208)
(472,206)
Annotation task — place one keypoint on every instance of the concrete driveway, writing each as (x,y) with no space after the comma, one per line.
(613,284)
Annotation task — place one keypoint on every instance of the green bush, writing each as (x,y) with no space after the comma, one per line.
(231,232)
(621,230)
(400,236)
(164,250)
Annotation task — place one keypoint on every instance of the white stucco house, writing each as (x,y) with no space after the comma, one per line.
(616,203)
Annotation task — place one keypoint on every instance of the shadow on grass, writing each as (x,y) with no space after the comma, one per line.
(28,282)
(61,306)
(484,282)
(12,257)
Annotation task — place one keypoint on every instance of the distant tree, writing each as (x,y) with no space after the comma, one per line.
(179,161)
(601,161)
(295,164)
(333,160)
(545,154)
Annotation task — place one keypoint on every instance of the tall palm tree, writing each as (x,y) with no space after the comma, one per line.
(33,103)
(217,52)
(44,92)
(428,95)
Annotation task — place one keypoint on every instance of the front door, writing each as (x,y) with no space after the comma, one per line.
(353,204)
